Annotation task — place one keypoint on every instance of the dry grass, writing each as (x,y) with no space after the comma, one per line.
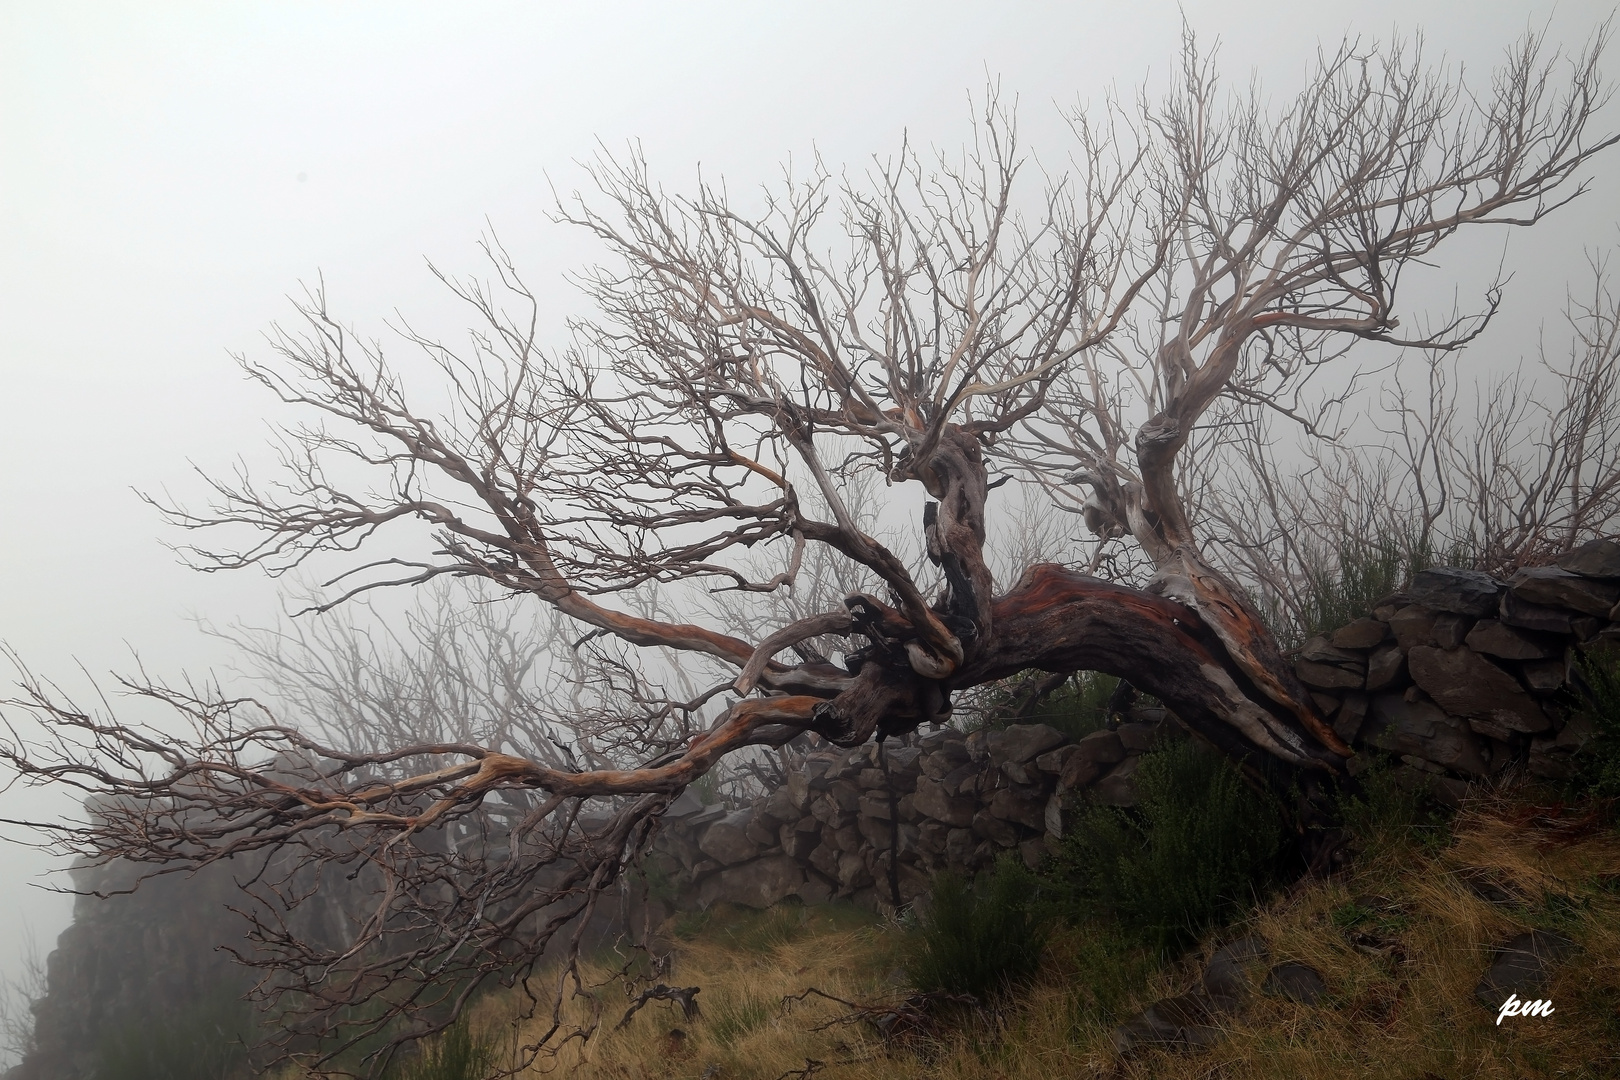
(1402,940)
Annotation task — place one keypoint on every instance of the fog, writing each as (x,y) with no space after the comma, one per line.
(170,172)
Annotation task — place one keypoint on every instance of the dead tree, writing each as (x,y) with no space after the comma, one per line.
(927,324)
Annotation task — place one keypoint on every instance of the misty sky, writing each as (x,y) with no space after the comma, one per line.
(170,172)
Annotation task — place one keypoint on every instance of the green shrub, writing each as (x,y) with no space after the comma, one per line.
(455,1055)
(982,939)
(1597,700)
(1391,812)
(1198,844)
(206,1043)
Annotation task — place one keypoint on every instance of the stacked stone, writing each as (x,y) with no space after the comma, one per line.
(1459,675)
(949,801)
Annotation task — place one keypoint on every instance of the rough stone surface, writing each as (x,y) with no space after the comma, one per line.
(1550,586)
(1464,683)
(1022,805)
(1412,625)
(757,884)
(1318,651)
(1094,755)
(1495,638)
(1598,558)
(1186,1021)
(1351,715)
(1361,634)
(1024,742)
(1516,611)
(1386,667)
(1521,965)
(1118,788)
(1544,676)
(1296,982)
(931,801)
(1329,676)
(1421,729)
(1229,975)
(1450,629)
(727,842)
(1464,592)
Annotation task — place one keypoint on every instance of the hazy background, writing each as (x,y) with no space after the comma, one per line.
(170,172)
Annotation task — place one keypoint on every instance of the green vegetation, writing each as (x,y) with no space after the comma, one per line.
(1597,702)
(457,1054)
(1079,706)
(1199,844)
(983,939)
(209,1042)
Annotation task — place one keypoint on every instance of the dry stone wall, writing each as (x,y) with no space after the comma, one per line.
(1459,677)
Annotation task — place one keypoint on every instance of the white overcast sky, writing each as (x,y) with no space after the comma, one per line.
(170,172)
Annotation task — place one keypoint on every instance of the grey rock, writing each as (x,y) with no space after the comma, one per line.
(849,838)
(686,804)
(998,831)
(932,801)
(871,780)
(853,872)
(875,804)
(936,741)
(1033,852)
(825,858)
(826,810)
(904,760)
(1551,586)
(1137,737)
(727,842)
(1495,638)
(1516,611)
(1227,977)
(1421,730)
(1521,965)
(940,761)
(931,836)
(845,795)
(1464,683)
(1361,634)
(1022,805)
(1450,629)
(1094,754)
(1187,1021)
(1551,764)
(1351,715)
(1386,667)
(760,831)
(815,890)
(758,884)
(1022,774)
(1054,819)
(963,780)
(1326,704)
(1118,788)
(1412,625)
(959,846)
(1052,762)
(1328,676)
(799,839)
(1318,651)
(1545,676)
(1597,558)
(1296,982)
(1464,592)
(1019,743)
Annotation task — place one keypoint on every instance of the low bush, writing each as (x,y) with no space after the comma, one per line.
(1597,701)
(457,1054)
(984,938)
(209,1042)
(1198,844)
